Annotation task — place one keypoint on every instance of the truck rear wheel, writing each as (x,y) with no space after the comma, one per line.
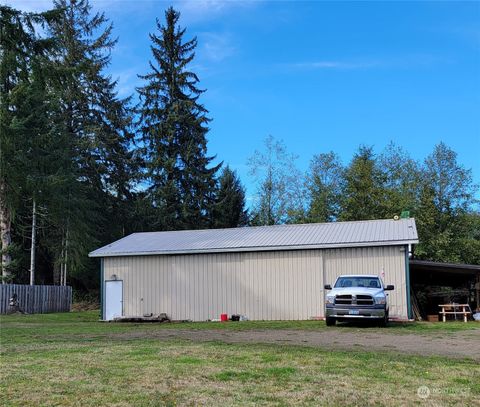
(330,321)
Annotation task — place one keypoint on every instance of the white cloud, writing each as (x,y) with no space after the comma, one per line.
(331,64)
(198,10)
(397,62)
(215,46)
(127,80)
(204,6)
(191,10)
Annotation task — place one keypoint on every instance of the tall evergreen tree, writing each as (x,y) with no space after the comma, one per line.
(17,38)
(402,180)
(229,209)
(174,125)
(98,127)
(26,147)
(364,195)
(434,243)
(43,148)
(96,119)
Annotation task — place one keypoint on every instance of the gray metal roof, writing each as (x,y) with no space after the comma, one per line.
(261,238)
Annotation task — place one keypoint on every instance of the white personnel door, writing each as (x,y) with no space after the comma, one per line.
(113,299)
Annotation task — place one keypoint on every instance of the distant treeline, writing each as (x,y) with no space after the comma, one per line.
(438,192)
(81,167)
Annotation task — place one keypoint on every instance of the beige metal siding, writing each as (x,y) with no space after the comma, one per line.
(276,285)
(372,260)
(261,285)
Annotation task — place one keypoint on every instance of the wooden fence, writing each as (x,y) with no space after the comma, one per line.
(36,299)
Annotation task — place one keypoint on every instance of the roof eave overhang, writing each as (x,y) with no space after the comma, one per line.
(256,249)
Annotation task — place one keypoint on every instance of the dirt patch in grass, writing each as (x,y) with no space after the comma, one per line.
(85,306)
(460,344)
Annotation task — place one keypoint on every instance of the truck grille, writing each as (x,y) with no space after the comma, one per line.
(364,300)
(354,300)
(343,299)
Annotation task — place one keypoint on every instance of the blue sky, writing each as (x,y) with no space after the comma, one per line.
(320,76)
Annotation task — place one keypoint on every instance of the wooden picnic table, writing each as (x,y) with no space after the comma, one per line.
(455,309)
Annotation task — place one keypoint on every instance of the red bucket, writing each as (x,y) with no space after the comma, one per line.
(224,317)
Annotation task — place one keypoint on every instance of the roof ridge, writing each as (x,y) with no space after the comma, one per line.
(283,225)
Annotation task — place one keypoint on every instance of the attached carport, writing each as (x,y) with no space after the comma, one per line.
(435,283)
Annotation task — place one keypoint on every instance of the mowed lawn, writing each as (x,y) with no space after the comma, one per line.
(71,359)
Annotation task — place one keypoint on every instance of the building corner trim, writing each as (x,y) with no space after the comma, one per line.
(407,280)
(102,290)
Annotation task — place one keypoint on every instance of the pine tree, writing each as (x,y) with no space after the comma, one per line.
(402,180)
(229,209)
(26,146)
(96,119)
(174,125)
(17,38)
(432,241)
(363,194)
(97,125)
(42,147)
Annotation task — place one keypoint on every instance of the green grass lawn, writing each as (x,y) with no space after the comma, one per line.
(71,359)
(75,322)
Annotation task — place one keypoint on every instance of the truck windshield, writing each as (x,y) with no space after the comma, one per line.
(371,282)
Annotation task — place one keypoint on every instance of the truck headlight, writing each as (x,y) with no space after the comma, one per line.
(380,300)
(330,299)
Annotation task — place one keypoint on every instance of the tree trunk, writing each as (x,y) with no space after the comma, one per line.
(5,231)
(32,247)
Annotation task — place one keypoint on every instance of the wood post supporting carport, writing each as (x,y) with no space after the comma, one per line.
(477,289)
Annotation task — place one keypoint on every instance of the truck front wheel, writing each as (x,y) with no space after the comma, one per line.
(384,321)
(330,321)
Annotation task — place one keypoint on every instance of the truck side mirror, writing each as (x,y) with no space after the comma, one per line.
(328,287)
(389,288)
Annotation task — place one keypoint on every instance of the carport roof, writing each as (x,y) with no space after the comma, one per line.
(261,238)
(459,268)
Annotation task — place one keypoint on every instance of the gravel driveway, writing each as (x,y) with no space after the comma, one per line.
(461,344)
